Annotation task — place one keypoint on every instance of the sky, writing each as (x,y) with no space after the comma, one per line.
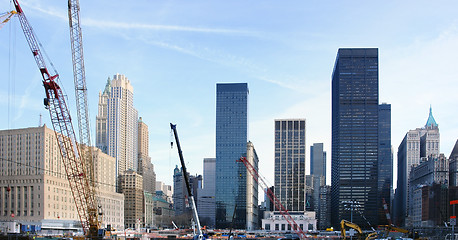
(175,52)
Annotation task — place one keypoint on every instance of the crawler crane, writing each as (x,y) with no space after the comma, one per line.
(75,167)
(79,78)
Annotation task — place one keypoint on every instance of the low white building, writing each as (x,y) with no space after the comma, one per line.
(275,222)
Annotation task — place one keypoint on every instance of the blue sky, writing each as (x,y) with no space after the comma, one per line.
(174,53)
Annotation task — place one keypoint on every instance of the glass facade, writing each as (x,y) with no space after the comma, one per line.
(318,160)
(231,144)
(290,163)
(385,170)
(355,137)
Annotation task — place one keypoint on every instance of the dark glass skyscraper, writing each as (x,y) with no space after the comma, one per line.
(355,136)
(385,160)
(231,144)
(318,160)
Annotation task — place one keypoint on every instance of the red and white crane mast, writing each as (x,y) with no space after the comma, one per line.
(284,212)
(75,168)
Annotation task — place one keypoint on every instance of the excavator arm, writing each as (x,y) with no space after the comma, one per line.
(345,223)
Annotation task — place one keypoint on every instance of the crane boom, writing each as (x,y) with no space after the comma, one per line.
(79,78)
(273,198)
(60,118)
(5,17)
(185,176)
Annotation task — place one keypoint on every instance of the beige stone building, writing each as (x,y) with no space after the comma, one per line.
(33,186)
(131,184)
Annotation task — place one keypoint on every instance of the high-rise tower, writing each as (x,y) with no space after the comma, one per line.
(318,160)
(116,127)
(355,136)
(418,143)
(206,206)
(385,161)
(290,163)
(231,144)
(145,167)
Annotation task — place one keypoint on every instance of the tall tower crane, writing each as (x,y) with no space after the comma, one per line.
(284,212)
(79,78)
(75,168)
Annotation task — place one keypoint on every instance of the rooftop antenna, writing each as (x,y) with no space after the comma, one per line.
(40,123)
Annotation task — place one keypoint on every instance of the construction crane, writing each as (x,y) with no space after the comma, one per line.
(79,78)
(284,212)
(186,180)
(5,17)
(75,168)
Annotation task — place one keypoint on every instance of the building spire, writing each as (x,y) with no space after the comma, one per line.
(431,123)
(107,86)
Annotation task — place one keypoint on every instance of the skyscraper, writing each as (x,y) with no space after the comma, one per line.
(231,144)
(145,167)
(385,160)
(290,163)
(318,160)
(206,206)
(116,123)
(252,189)
(181,201)
(355,136)
(418,143)
(318,177)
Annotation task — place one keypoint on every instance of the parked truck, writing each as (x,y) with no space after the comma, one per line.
(9,227)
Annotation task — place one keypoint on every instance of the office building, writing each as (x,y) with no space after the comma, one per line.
(117,123)
(418,143)
(324,217)
(179,192)
(163,212)
(453,168)
(354,159)
(145,167)
(385,161)
(206,201)
(231,144)
(34,188)
(181,201)
(290,163)
(252,189)
(428,192)
(164,190)
(318,160)
(131,184)
(148,209)
(318,175)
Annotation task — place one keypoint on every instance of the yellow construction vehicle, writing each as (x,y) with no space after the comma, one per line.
(410,234)
(345,223)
